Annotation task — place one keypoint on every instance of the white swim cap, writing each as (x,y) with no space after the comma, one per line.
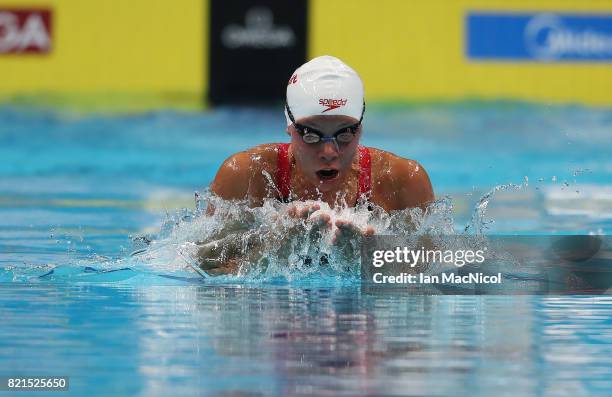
(327,86)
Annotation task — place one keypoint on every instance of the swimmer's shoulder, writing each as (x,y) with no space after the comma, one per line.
(243,174)
(401,182)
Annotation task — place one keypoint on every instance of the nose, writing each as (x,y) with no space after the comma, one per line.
(329,151)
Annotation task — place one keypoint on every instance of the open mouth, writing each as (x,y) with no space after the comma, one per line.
(327,174)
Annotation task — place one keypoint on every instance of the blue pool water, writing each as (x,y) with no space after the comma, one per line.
(76,191)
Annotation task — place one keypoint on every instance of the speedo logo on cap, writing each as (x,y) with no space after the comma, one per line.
(332,104)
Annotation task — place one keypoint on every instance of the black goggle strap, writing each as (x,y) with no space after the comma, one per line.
(362,112)
(293,119)
(289,113)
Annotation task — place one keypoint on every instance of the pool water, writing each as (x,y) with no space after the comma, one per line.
(77,191)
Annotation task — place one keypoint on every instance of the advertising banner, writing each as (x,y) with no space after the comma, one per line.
(541,37)
(254,48)
(25,31)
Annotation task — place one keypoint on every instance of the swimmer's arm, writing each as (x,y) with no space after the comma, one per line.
(243,176)
(236,179)
(216,255)
(415,190)
(233,177)
(412,185)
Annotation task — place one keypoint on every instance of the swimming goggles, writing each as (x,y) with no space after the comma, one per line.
(312,136)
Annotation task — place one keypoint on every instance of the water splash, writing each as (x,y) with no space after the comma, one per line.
(266,243)
(478,224)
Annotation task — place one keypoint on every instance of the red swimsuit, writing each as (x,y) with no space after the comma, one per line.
(283,172)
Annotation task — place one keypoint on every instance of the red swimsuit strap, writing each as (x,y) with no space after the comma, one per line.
(365,172)
(283,171)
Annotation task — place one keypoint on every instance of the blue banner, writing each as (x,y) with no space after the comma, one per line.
(542,37)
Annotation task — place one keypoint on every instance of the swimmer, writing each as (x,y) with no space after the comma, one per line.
(323,161)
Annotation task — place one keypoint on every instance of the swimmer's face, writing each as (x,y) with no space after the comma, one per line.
(324,164)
